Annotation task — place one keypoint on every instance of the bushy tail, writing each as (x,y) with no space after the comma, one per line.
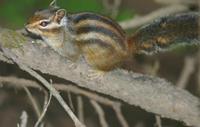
(167,32)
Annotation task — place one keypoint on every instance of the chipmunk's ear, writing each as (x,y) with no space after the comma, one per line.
(53,4)
(60,14)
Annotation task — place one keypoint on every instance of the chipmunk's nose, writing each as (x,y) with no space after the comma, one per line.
(27,26)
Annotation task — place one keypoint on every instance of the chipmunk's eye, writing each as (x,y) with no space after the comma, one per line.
(44,23)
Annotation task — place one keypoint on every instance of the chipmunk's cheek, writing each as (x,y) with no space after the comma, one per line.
(35,31)
(38,31)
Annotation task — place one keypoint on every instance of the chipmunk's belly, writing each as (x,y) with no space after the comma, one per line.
(102,58)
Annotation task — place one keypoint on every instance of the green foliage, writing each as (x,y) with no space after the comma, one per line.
(81,5)
(14,13)
(124,14)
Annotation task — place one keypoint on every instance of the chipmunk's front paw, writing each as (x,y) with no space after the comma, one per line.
(96,74)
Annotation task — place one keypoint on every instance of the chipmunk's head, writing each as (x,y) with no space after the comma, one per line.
(47,22)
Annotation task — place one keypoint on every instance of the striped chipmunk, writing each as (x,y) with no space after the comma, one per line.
(102,42)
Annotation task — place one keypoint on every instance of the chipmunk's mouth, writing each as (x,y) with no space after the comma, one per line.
(33,35)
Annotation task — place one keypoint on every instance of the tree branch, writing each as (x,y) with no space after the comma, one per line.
(139,21)
(186,2)
(150,93)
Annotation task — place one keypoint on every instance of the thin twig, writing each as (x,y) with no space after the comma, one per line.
(80,109)
(139,21)
(100,113)
(112,8)
(91,95)
(106,5)
(70,101)
(46,99)
(188,69)
(24,120)
(172,2)
(154,71)
(115,8)
(198,58)
(43,112)
(54,92)
(158,121)
(140,124)
(120,116)
(33,101)
(198,73)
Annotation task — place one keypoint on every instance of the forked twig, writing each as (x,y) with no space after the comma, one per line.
(44,111)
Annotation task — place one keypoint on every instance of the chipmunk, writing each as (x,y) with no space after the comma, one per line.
(102,42)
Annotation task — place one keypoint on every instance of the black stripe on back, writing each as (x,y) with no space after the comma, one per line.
(91,16)
(104,31)
(95,42)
